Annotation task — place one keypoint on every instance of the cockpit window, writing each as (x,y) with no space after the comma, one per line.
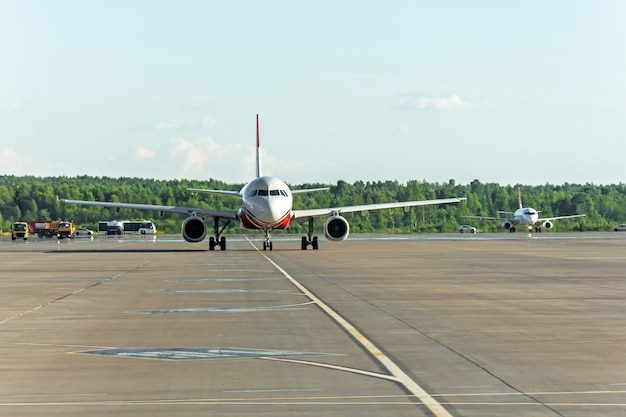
(265,193)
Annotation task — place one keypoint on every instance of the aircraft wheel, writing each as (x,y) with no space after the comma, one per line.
(271,245)
(223,243)
(304,243)
(212,243)
(315,244)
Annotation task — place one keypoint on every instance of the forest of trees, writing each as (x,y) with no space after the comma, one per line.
(30,198)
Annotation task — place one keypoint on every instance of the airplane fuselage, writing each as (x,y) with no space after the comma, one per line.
(266,203)
(525,216)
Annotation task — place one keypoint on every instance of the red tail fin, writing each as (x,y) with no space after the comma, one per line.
(519,197)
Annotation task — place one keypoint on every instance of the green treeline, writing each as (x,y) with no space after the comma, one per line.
(30,198)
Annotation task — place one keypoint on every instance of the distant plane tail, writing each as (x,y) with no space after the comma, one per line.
(258,149)
(519,197)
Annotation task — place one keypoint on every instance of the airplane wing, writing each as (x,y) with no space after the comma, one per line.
(309,190)
(237,194)
(225,192)
(504,219)
(560,217)
(302,214)
(223,214)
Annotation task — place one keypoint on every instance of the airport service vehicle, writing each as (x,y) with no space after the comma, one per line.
(19,230)
(267,205)
(525,216)
(119,227)
(466,228)
(83,232)
(60,229)
(144,227)
(113,227)
(620,228)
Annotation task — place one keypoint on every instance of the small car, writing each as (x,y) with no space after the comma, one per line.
(466,228)
(82,232)
(620,228)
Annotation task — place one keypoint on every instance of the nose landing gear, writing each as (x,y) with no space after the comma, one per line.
(267,243)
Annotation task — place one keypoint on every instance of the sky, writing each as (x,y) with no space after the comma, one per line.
(529,92)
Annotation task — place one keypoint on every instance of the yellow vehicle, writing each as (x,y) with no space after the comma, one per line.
(19,230)
(53,228)
(65,230)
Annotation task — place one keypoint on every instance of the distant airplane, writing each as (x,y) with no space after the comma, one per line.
(266,204)
(525,216)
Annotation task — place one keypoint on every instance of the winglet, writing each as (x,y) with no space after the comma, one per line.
(258,148)
(519,197)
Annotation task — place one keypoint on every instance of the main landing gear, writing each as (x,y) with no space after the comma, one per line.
(309,239)
(217,240)
(530,229)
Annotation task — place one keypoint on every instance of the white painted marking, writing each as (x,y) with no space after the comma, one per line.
(338,368)
(400,376)
(275,390)
(49,303)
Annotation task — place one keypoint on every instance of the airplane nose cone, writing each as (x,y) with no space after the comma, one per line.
(271,211)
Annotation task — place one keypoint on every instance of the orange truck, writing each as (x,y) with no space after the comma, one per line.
(52,228)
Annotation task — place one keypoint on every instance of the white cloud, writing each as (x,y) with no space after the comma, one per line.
(11,106)
(12,162)
(25,163)
(142,153)
(403,131)
(209,122)
(204,158)
(171,124)
(452,103)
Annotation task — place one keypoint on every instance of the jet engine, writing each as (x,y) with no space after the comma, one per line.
(547,224)
(336,228)
(506,225)
(194,229)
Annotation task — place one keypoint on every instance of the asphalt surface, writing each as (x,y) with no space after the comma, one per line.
(425,325)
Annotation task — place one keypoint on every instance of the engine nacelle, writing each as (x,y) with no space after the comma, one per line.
(336,228)
(194,229)
(547,224)
(507,225)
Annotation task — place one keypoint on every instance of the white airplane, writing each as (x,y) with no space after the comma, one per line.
(525,216)
(266,204)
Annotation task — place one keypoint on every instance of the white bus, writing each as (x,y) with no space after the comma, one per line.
(117,227)
(143,227)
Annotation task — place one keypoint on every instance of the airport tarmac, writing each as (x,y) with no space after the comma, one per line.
(420,325)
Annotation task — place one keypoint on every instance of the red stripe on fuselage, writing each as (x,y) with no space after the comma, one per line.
(248,221)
